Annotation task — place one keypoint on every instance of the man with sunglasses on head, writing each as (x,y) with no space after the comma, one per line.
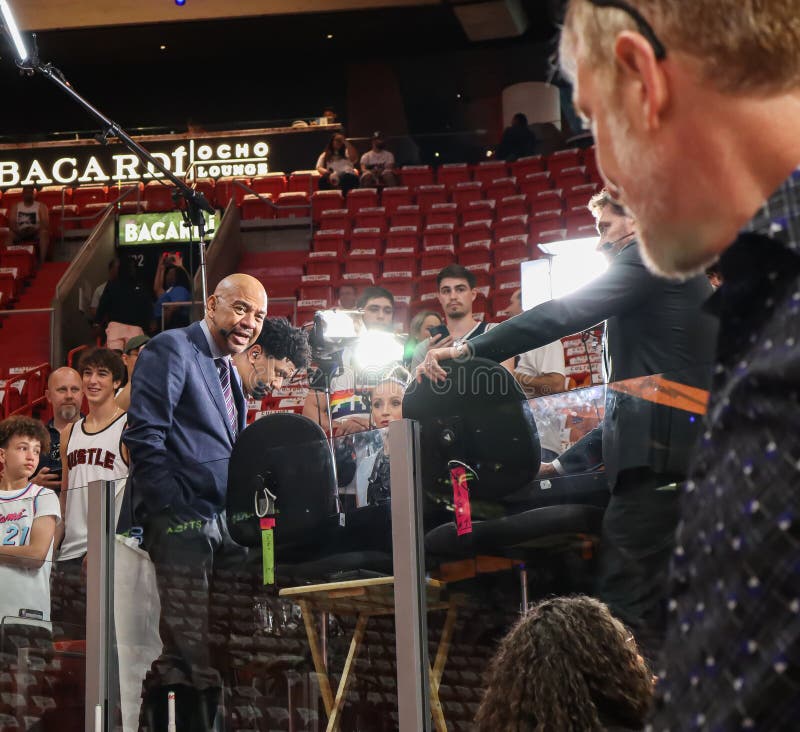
(695,109)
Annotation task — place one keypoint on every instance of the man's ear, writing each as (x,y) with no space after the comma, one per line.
(644,85)
(211,303)
(474,293)
(254,353)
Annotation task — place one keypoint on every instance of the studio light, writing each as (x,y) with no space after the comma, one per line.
(376,349)
(13,30)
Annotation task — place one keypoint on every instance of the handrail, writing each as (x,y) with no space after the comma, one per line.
(71,353)
(43,368)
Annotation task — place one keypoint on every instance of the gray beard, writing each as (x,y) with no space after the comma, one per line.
(68,413)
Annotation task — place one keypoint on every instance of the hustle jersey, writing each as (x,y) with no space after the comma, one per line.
(90,456)
(25,588)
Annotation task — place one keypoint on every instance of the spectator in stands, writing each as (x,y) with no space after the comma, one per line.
(377,165)
(378,306)
(653,327)
(29,514)
(518,140)
(125,308)
(336,167)
(130,354)
(64,393)
(695,108)
(456,294)
(419,330)
(91,450)
(29,220)
(567,665)
(542,372)
(113,273)
(171,284)
(276,356)
(187,408)
(347,297)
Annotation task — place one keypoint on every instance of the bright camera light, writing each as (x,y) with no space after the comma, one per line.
(338,324)
(377,348)
(13,30)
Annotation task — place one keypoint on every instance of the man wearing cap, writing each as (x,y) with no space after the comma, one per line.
(129,355)
(377,164)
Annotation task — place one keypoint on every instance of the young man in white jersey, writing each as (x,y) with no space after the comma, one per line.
(91,450)
(29,514)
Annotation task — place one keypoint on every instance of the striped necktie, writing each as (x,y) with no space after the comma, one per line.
(225,381)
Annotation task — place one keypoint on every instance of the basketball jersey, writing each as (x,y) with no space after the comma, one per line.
(90,456)
(25,588)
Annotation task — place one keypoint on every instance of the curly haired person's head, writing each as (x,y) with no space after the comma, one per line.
(567,665)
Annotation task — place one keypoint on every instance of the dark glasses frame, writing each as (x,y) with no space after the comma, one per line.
(644,27)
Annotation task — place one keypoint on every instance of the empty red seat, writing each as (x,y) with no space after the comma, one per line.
(569,177)
(531,164)
(395,196)
(158,197)
(546,201)
(533,183)
(482,273)
(507,279)
(501,187)
(361,198)
(478,211)
(227,188)
(512,206)
(363,265)
(293,205)
(323,266)
(316,287)
(304,181)
(396,260)
(402,237)
(477,252)
(63,218)
(438,235)
(475,231)
(432,262)
(544,220)
(83,195)
(257,207)
(126,192)
(578,195)
(465,193)
(414,176)
(21,256)
(11,196)
(372,217)
(335,218)
(406,216)
(489,170)
(577,219)
(557,161)
(511,250)
(329,240)
(367,240)
(9,286)
(54,195)
(203,185)
(322,201)
(429,195)
(511,226)
(546,231)
(442,213)
(452,174)
(272,183)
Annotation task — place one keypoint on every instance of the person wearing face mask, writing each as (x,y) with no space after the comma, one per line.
(377,165)
(652,326)
(336,165)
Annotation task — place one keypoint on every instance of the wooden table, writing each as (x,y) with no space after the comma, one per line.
(364,599)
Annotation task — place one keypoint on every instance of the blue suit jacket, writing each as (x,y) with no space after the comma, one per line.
(178,433)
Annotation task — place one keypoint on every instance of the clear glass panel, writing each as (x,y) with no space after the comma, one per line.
(198,611)
(42,615)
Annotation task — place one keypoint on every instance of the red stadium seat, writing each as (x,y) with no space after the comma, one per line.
(363,265)
(531,164)
(304,181)
(427,196)
(577,219)
(452,174)
(533,183)
(203,185)
(335,218)
(361,198)
(578,195)
(319,265)
(393,197)
(367,240)
(395,260)
(21,256)
(158,197)
(543,235)
(438,235)
(511,226)
(128,192)
(478,211)
(84,195)
(465,193)
(372,217)
(11,196)
(414,176)
(432,262)
(557,161)
(54,196)
(272,183)
(442,213)
(255,207)
(294,205)
(406,216)
(569,177)
(506,279)
(513,206)
(511,250)
(501,187)
(316,287)
(546,201)
(62,218)
(475,253)
(402,237)
(489,170)
(226,189)
(545,221)
(322,201)
(475,231)
(329,240)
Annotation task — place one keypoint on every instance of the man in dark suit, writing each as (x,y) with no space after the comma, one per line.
(653,326)
(187,408)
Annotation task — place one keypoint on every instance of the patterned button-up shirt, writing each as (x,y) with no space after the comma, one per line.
(732,656)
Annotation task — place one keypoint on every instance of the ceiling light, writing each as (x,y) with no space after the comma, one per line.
(13,31)
(163,48)
(329,36)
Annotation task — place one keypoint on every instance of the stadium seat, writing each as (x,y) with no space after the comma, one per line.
(203,185)
(533,183)
(429,195)
(511,226)
(577,219)
(406,216)
(322,201)
(531,164)
(489,170)
(4,217)
(372,217)
(482,273)
(314,288)
(442,213)
(438,235)
(546,201)
(402,237)
(452,174)
(414,176)
(475,253)
(361,198)
(130,193)
(545,221)
(294,205)
(478,211)
(335,218)
(304,181)
(363,265)
(513,206)
(465,193)
(257,207)
(395,196)
(396,260)
(84,195)
(511,249)
(557,161)
(62,218)
(318,265)
(543,235)
(506,279)
(272,183)
(432,262)
(21,256)
(367,240)
(578,195)
(569,177)
(475,231)
(501,187)
(158,197)
(329,240)
(226,188)
(11,196)
(54,195)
